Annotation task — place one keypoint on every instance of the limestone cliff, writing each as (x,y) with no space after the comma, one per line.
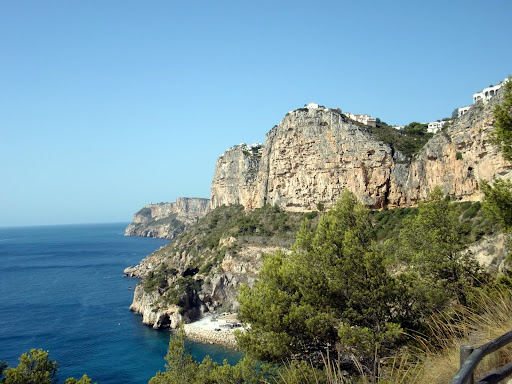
(310,157)
(167,220)
(161,318)
(455,159)
(314,153)
(236,176)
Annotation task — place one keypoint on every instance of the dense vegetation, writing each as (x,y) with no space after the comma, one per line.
(502,135)
(270,226)
(498,195)
(182,368)
(334,280)
(355,285)
(474,222)
(337,290)
(408,140)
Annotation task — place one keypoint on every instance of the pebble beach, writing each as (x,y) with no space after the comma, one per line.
(214,330)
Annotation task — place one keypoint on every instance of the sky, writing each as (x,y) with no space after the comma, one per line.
(106,106)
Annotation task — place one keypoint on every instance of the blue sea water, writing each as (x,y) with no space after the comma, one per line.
(62,289)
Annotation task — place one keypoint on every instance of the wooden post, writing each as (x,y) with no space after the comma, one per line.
(465,352)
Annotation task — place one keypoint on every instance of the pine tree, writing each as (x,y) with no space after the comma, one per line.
(502,134)
(332,287)
(498,195)
(433,245)
(35,367)
(182,367)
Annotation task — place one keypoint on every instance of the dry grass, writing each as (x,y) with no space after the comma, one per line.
(394,370)
(431,365)
(491,319)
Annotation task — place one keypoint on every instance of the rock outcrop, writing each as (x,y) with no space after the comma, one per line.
(219,288)
(455,159)
(167,220)
(202,270)
(143,303)
(309,158)
(491,252)
(313,154)
(235,180)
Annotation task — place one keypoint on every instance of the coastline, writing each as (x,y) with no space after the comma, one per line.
(217,329)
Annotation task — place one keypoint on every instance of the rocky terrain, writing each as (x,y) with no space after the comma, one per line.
(213,292)
(310,157)
(261,193)
(167,220)
(455,159)
(313,154)
(202,269)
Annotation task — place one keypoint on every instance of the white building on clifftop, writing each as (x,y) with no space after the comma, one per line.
(488,92)
(365,119)
(435,126)
(484,95)
(462,111)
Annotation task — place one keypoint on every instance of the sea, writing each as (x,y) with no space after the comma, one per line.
(62,289)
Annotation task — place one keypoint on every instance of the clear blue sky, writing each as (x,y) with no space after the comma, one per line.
(106,106)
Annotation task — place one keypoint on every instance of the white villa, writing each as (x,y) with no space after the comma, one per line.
(365,119)
(488,92)
(462,111)
(484,95)
(435,126)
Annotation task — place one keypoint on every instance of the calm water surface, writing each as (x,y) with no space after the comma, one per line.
(62,289)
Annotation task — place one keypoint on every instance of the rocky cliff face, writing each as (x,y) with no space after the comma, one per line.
(310,157)
(202,270)
(313,154)
(455,159)
(167,220)
(235,180)
(218,292)
(168,316)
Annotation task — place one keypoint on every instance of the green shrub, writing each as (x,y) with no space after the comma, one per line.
(408,141)
(472,211)
(388,223)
